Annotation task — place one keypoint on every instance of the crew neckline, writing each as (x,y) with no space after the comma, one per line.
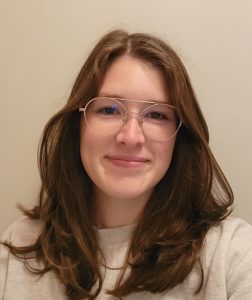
(116,235)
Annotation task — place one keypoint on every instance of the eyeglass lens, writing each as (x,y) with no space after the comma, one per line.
(106,116)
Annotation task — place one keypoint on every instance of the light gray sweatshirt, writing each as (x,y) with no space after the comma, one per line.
(226,258)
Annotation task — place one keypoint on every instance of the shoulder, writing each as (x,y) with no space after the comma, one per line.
(230,232)
(235,235)
(230,236)
(231,224)
(16,281)
(227,256)
(22,232)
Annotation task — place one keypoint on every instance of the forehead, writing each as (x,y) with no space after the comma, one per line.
(133,78)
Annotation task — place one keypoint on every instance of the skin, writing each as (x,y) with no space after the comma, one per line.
(122,183)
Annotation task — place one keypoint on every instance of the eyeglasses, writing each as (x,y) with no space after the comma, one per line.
(106,116)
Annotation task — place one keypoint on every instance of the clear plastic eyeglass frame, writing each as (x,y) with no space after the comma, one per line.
(127,114)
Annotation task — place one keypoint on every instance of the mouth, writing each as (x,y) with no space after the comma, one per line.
(127,161)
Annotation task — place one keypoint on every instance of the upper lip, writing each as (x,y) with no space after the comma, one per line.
(127,158)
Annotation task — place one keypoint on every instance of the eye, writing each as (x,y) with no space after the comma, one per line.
(109,110)
(155,115)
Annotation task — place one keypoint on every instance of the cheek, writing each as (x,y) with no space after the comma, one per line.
(92,148)
(89,152)
(164,156)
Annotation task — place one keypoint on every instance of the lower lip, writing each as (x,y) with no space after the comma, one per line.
(127,164)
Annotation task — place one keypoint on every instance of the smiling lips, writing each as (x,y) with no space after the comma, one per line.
(127,161)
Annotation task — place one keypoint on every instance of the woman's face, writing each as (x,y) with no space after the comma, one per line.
(127,165)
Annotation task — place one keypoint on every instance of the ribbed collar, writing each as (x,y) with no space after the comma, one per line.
(117,235)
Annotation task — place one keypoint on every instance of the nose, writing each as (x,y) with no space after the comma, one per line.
(131,133)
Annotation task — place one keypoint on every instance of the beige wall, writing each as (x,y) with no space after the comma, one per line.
(43,44)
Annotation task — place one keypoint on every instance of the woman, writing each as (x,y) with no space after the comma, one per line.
(133,204)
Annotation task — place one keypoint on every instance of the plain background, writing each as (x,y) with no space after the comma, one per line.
(44,43)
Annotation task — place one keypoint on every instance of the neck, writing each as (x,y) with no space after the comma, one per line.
(111,212)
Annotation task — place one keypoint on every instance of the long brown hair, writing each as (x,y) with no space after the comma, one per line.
(192,196)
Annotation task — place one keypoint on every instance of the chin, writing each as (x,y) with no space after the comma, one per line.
(127,194)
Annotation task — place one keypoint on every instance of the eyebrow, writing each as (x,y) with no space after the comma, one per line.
(110,95)
(117,96)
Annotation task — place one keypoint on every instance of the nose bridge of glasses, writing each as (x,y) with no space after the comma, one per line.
(132,114)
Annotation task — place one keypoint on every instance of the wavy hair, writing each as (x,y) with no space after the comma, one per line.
(192,196)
